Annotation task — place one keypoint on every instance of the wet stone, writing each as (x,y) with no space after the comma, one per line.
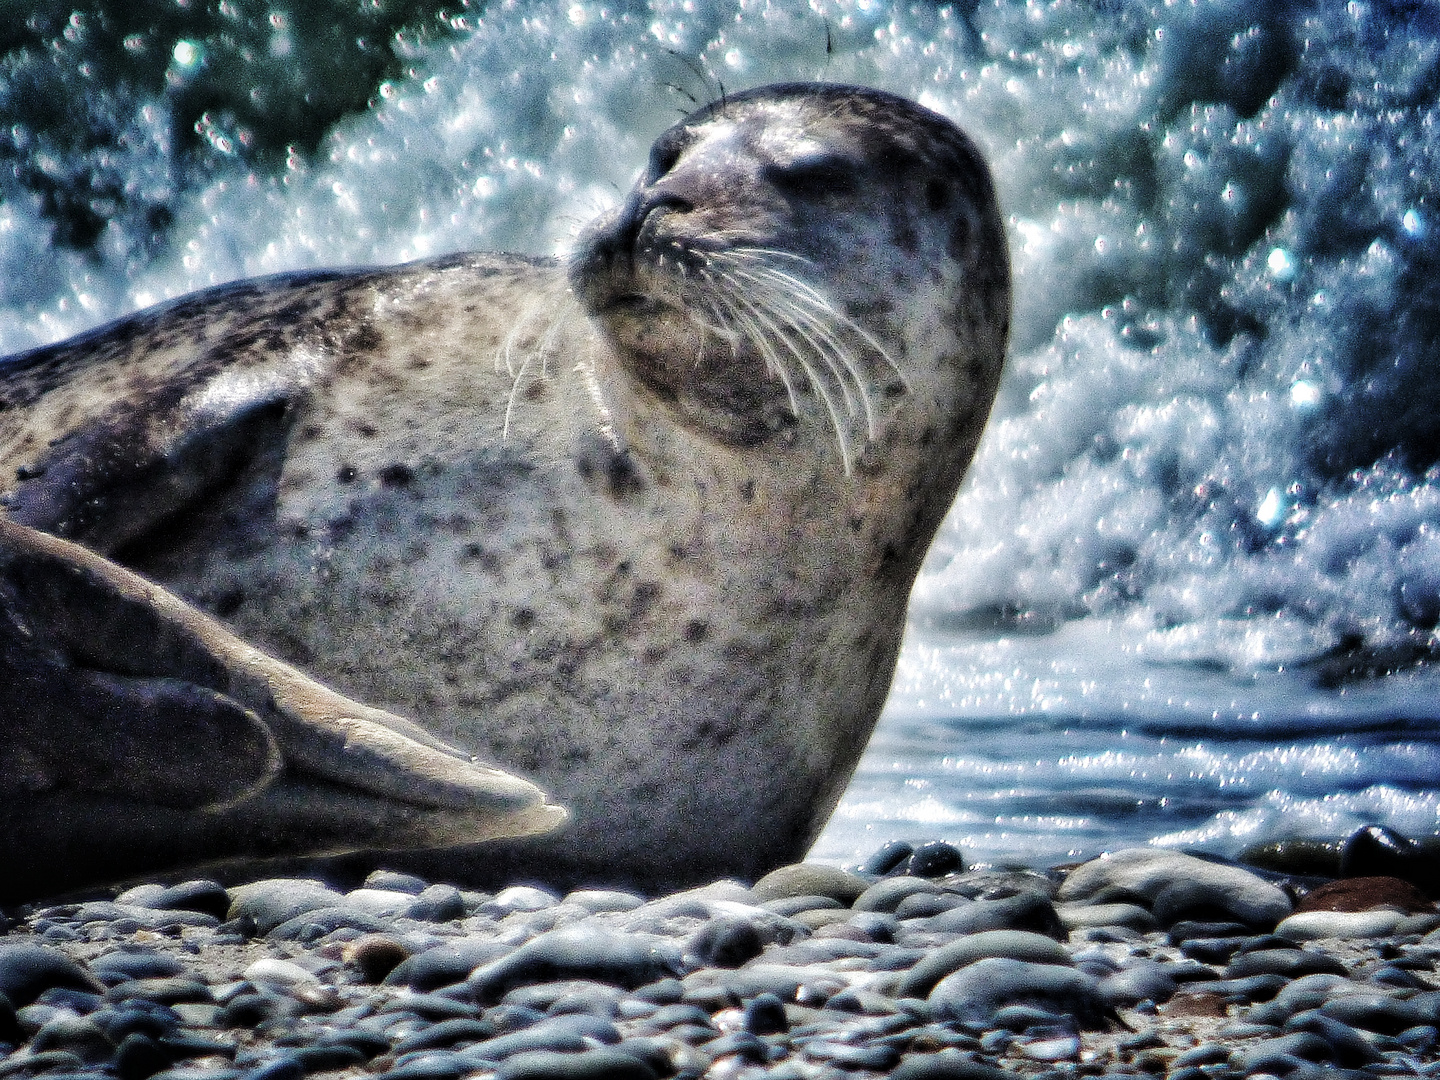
(888,859)
(375,956)
(976,992)
(275,901)
(811,879)
(622,960)
(123,964)
(725,942)
(445,965)
(598,1064)
(1028,911)
(765,1015)
(934,859)
(28,969)
(1292,963)
(393,881)
(202,895)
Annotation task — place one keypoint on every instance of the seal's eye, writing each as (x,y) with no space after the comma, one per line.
(815,177)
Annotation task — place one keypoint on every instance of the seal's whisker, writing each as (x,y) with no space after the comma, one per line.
(809,294)
(778,308)
(762,254)
(839,358)
(757,337)
(567,310)
(816,383)
(781,301)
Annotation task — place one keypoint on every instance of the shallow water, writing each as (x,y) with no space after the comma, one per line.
(1189,590)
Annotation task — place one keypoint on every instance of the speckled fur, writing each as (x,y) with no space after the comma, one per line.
(682,625)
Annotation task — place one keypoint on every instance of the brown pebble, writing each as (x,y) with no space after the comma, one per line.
(1366,894)
(1195,1005)
(375,955)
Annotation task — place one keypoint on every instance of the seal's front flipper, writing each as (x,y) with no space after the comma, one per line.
(142,736)
(113,437)
(140,464)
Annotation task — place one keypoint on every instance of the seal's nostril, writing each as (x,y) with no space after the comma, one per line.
(638,211)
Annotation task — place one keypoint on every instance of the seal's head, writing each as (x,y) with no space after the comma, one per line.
(807,255)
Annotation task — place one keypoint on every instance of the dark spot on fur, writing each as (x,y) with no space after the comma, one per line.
(906,238)
(747,491)
(522,618)
(396,475)
(228,602)
(418,363)
(857,522)
(696,631)
(646,593)
(365,338)
(608,470)
(345,473)
(959,241)
(29,472)
(936,195)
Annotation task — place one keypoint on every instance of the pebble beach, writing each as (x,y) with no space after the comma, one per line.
(1142,963)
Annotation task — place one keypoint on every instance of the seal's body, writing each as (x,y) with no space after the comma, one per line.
(642,528)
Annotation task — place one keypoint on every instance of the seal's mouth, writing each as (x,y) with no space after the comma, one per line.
(633,301)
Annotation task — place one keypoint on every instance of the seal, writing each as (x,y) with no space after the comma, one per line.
(641,526)
(141,736)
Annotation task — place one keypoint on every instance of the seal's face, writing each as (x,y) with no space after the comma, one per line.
(790,256)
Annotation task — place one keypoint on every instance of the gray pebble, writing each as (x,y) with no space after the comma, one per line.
(886,895)
(274,901)
(1143,980)
(437,903)
(1027,911)
(810,879)
(599,1064)
(576,953)
(1009,944)
(445,965)
(1350,1047)
(725,942)
(946,1065)
(122,964)
(27,970)
(313,924)
(1273,1055)
(975,993)
(393,881)
(1291,963)
(446,1033)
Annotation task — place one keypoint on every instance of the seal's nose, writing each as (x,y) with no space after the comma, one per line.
(637,211)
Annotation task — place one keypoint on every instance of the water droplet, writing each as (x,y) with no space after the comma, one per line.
(1304,394)
(1413,223)
(187,53)
(1282,266)
(1271,508)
